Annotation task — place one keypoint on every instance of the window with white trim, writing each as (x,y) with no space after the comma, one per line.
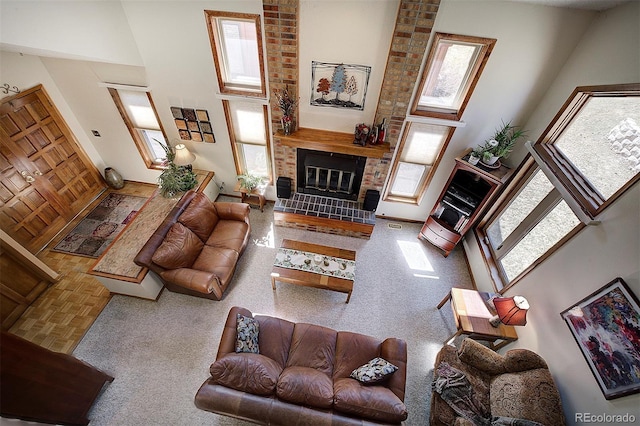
(236,44)
(587,157)
(140,116)
(418,154)
(249,137)
(453,68)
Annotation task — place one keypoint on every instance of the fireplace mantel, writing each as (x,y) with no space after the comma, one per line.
(328,141)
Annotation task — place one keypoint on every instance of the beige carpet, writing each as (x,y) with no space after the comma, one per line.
(159,351)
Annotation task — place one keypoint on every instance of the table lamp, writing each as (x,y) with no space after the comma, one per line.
(510,311)
(183,156)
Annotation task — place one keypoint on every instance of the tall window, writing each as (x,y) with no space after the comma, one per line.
(236,43)
(418,154)
(585,159)
(453,67)
(140,116)
(249,137)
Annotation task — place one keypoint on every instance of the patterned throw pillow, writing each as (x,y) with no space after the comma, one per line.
(374,371)
(247,330)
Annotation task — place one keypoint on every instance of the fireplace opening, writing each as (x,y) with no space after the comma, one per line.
(329,174)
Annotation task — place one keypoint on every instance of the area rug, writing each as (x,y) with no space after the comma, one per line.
(101,226)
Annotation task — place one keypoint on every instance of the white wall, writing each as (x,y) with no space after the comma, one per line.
(609,53)
(356,32)
(526,58)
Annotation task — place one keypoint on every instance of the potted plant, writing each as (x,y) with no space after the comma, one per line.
(249,181)
(175,179)
(475,155)
(501,144)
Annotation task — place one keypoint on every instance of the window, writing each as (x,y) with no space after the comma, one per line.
(531,222)
(586,158)
(592,149)
(418,154)
(236,43)
(453,67)
(139,114)
(248,132)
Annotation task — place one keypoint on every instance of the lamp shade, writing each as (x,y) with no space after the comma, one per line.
(183,157)
(512,310)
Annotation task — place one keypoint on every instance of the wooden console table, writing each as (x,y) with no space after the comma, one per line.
(472,315)
(255,197)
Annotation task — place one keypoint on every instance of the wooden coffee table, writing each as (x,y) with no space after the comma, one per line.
(313,279)
(472,316)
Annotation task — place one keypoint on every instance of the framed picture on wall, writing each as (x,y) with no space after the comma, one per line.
(339,85)
(606,326)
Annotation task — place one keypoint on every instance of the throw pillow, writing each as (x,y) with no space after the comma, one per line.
(247,330)
(179,249)
(374,371)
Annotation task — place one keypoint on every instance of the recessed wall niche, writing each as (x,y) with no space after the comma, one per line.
(193,124)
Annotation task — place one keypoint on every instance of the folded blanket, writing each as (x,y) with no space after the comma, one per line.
(455,389)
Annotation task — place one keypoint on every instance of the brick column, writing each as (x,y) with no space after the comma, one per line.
(414,23)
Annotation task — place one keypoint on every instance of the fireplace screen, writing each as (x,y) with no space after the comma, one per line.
(329,174)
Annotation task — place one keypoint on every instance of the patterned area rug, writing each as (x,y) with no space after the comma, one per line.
(100,227)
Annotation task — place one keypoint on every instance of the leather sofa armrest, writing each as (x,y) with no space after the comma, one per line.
(192,279)
(395,351)
(232,211)
(228,339)
(143,258)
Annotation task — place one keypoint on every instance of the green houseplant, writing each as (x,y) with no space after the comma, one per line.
(502,143)
(175,179)
(249,181)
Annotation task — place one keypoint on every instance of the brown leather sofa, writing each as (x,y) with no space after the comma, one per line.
(301,376)
(480,384)
(196,248)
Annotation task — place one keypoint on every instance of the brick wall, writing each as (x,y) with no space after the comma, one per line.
(410,38)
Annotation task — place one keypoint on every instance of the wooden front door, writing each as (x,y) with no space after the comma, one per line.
(45,176)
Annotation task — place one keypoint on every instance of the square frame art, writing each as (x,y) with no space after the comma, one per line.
(606,326)
(339,85)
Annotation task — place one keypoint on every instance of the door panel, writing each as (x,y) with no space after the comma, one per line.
(46,179)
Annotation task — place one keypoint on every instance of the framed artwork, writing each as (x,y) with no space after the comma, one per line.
(205,126)
(176,112)
(339,85)
(193,124)
(202,115)
(208,137)
(606,326)
(189,114)
(181,124)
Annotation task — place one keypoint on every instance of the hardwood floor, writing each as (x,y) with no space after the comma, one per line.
(59,318)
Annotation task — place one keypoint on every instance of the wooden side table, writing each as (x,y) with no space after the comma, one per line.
(255,197)
(472,315)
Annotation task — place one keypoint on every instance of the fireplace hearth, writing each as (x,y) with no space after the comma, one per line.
(329,174)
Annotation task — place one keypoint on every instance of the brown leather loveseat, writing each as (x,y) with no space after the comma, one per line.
(196,248)
(301,376)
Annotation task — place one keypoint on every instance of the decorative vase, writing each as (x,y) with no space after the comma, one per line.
(287,124)
(113,178)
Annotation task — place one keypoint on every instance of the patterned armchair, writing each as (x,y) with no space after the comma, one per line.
(475,385)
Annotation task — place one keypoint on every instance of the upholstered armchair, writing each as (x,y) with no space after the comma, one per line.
(475,385)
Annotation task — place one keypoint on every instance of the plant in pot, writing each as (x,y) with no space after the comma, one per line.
(249,181)
(501,144)
(175,179)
